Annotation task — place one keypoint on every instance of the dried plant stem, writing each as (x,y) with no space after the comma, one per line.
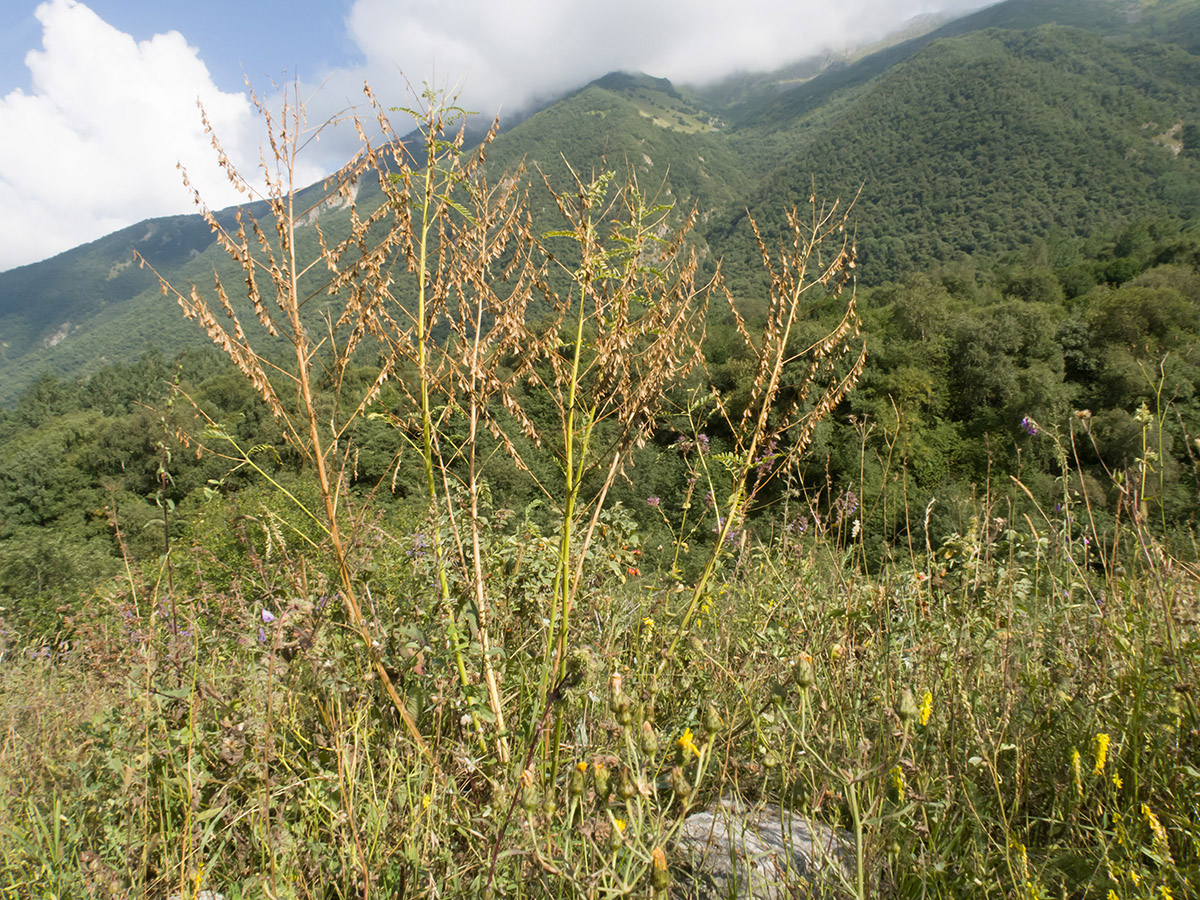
(301,421)
(763,421)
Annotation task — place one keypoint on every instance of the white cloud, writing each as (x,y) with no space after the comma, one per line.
(517,51)
(93,147)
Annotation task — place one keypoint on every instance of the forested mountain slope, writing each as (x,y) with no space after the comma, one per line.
(984,142)
(977,138)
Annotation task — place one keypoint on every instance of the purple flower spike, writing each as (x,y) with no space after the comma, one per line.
(653,501)
(1030,426)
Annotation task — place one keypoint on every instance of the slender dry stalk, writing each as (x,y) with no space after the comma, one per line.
(793,390)
(278,286)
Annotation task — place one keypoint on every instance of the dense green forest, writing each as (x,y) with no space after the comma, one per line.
(1095,340)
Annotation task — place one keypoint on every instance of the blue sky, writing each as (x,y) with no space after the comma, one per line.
(98,97)
(266,37)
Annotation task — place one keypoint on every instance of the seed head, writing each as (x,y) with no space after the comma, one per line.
(649,739)
(601,779)
(680,784)
(626,789)
(578,780)
(803,673)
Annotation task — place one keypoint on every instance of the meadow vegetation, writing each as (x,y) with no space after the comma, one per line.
(538,538)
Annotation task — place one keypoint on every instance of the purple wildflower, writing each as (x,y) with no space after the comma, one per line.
(653,501)
(1030,426)
(267,616)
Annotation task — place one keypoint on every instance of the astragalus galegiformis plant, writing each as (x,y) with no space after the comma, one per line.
(487,338)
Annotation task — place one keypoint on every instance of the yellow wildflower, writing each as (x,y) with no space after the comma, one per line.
(898,783)
(1077,772)
(660,876)
(616,835)
(1112,895)
(1117,782)
(426,801)
(687,743)
(1100,745)
(1160,844)
(926,709)
(1165,891)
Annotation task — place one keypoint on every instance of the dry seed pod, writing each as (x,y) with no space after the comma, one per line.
(529,798)
(712,720)
(803,673)
(577,782)
(614,692)
(680,784)
(908,706)
(649,739)
(626,789)
(602,782)
(625,712)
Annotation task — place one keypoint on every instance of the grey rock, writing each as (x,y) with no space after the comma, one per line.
(735,850)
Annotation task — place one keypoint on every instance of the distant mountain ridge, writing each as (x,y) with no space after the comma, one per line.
(1025,119)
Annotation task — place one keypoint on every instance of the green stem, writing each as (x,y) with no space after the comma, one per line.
(856,817)
(427,429)
(560,613)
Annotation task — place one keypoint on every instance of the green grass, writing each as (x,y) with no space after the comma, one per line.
(167,752)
